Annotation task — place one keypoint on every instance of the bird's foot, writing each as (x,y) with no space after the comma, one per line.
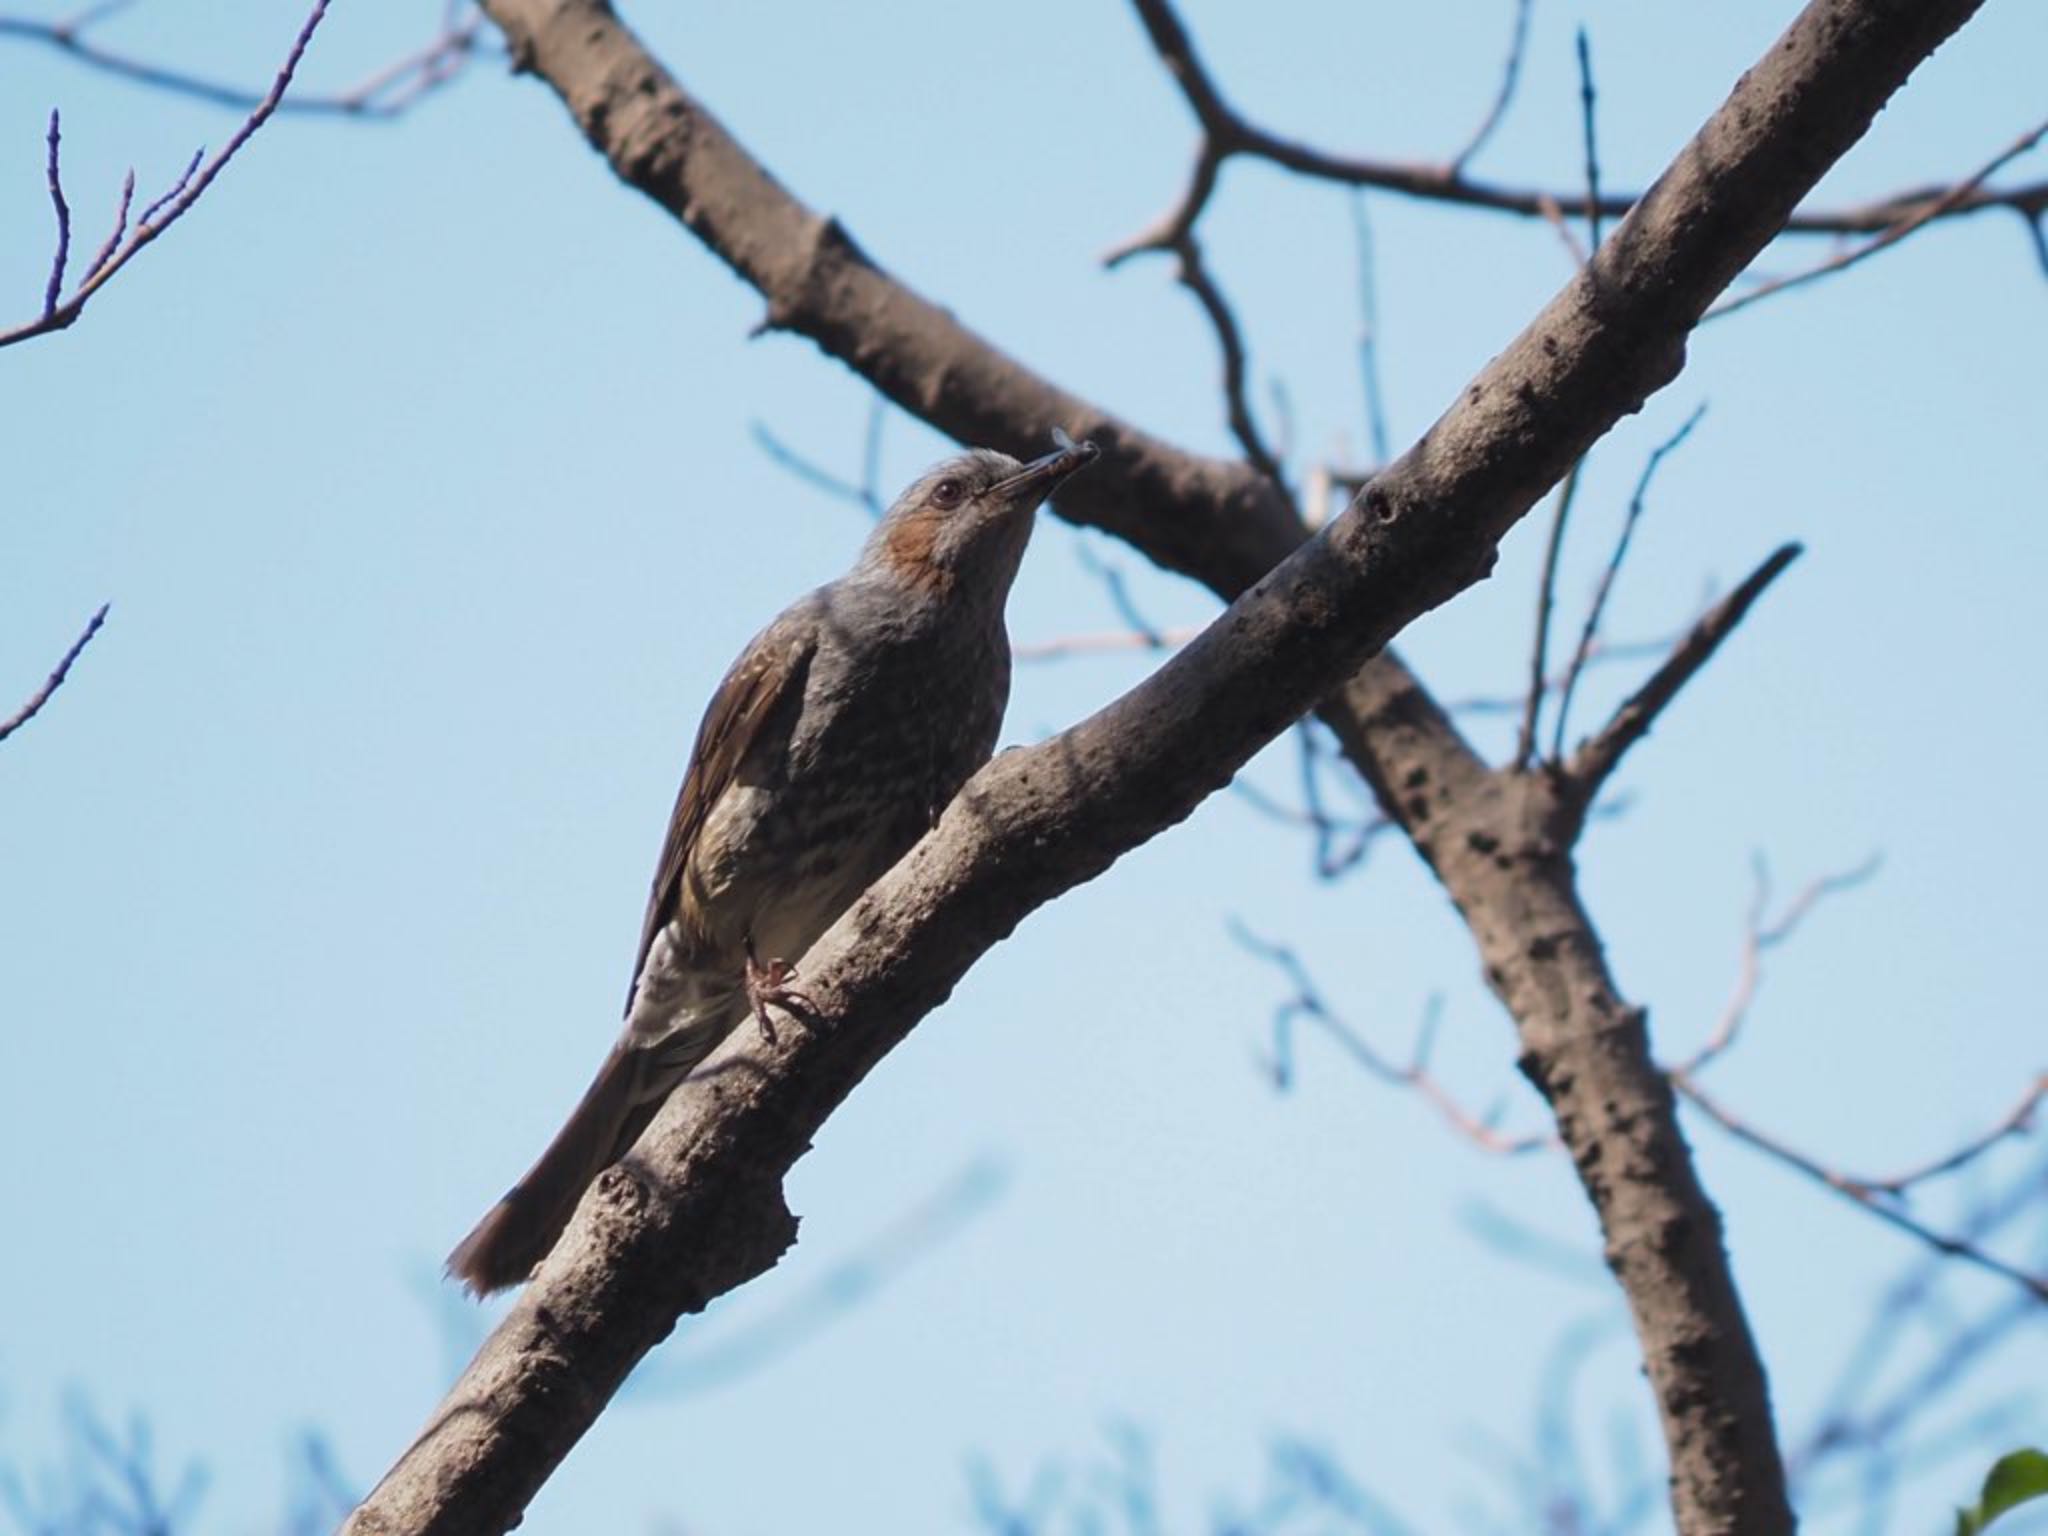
(768,986)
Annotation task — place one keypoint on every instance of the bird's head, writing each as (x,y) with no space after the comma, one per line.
(968,518)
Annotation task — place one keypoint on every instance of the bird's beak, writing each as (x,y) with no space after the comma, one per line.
(1036,480)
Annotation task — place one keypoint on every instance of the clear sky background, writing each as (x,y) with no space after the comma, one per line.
(417,467)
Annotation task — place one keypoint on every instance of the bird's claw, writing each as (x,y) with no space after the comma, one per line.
(768,986)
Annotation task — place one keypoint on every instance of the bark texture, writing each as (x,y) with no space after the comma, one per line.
(697,1209)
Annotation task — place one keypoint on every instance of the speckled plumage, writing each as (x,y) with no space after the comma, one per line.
(832,744)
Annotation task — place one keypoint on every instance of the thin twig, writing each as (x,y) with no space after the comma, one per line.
(2036,224)
(1597,757)
(1554,215)
(1333,857)
(1105,642)
(871,455)
(1604,655)
(1341,842)
(1590,631)
(1226,134)
(1194,276)
(1867,1195)
(1586,100)
(54,289)
(1546,597)
(112,243)
(813,474)
(1308,1003)
(41,696)
(174,204)
(2031,207)
(1838,1427)
(2017,1121)
(385,93)
(1762,933)
(1369,329)
(1111,575)
(175,190)
(1511,73)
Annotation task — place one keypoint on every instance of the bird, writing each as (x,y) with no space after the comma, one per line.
(831,746)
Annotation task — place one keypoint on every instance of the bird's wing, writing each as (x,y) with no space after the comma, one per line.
(761,690)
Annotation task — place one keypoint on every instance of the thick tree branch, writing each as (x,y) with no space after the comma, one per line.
(697,1208)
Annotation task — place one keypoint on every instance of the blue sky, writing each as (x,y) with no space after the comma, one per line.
(417,466)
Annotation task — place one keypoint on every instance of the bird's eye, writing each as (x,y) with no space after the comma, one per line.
(949,493)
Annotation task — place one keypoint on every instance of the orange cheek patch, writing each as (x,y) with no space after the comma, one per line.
(911,548)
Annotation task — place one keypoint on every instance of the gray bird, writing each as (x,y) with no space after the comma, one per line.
(833,743)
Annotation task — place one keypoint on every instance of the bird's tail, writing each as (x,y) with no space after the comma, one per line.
(517,1232)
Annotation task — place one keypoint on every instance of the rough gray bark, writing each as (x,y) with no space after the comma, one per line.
(698,1208)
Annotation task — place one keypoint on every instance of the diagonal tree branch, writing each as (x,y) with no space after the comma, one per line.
(55,680)
(1194,275)
(1913,217)
(1596,760)
(125,244)
(1589,633)
(697,1208)
(1510,77)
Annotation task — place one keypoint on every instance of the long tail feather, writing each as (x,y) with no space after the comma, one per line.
(517,1232)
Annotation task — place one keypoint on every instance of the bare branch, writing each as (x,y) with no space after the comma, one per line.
(1510,75)
(2036,223)
(112,243)
(1226,133)
(871,455)
(2031,208)
(1307,1002)
(1590,632)
(1870,1195)
(1596,759)
(1840,1427)
(387,92)
(866,496)
(55,287)
(1341,841)
(1761,934)
(1105,641)
(1195,277)
(1590,140)
(173,205)
(41,696)
(1604,654)
(1546,597)
(2015,1122)
(1882,1197)
(1376,438)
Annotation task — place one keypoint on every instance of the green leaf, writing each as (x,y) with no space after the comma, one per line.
(2012,1481)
